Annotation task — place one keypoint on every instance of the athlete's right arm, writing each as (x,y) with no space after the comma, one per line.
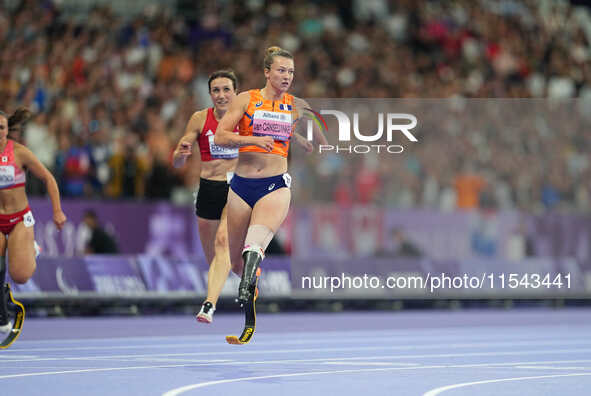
(31,162)
(185,146)
(224,135)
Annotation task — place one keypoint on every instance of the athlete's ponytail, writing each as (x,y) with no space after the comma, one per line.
(19,117)
(16,121)
(272,52)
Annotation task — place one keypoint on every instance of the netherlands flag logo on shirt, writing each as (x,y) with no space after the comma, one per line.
(284,107)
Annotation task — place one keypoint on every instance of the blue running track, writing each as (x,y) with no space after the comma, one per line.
(426,353)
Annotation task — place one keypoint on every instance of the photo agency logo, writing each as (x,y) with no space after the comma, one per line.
(352,139)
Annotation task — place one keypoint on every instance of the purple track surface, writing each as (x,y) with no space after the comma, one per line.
(426,353)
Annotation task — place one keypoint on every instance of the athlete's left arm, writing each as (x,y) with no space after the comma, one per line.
(302,141)
(30,161)
(301,105)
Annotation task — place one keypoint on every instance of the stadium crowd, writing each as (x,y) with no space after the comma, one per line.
(112,94)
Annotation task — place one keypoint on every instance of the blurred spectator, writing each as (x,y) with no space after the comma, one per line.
(112,91)
(468,187)
(367,183)
(76,167)
(399,246)
(100,242)
(519,243)
(485,235)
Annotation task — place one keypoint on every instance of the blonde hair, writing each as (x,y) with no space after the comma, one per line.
(272,52)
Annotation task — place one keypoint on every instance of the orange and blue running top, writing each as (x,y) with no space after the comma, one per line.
(269,118)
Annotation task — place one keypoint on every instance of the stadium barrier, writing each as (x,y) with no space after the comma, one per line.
(335,254)
(145,276)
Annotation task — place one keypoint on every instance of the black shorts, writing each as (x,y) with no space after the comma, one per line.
(211,199)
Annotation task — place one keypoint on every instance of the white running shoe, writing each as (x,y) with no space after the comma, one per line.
(6,328)
(205,315)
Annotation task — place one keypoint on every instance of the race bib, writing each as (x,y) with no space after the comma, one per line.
(28,219)
(219,152)
(270,123)
(6,175)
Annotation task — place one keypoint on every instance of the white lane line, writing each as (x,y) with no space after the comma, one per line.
(510,365)
(437,391)
(106,369)
(411,332)
(228,350)
(94,370)
(133,358)
(496,365)
(193,340)
(345,363)
(183,389)
(372,340)
(20,369)
(401,357)
(115,347)
(552,368)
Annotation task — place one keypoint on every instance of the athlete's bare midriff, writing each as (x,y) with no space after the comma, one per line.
(257,165)
(217,169)
(13,200)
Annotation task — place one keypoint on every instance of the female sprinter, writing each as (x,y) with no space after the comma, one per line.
(216,163)
(259,195)
(16,219)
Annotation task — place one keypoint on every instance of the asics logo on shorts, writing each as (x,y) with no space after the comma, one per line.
(272,186)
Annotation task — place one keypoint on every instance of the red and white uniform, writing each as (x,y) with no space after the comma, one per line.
(11,175)
(9,221)
(209,150)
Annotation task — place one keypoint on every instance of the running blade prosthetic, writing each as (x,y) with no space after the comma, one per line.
(16,316)
(249,316)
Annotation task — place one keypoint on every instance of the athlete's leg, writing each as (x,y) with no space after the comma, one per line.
(21,265)
(21,253)
(207,234)
(3,296)
(3,264)
(238,222)
(267,216)
(220,266)
(218,271)
(270,211)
